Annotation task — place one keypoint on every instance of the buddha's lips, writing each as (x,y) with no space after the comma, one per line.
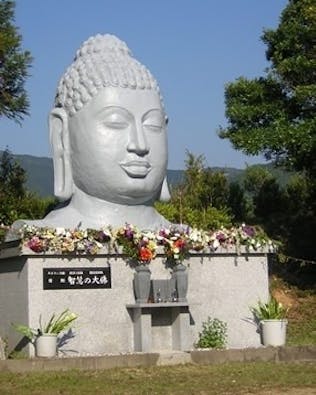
(136,168)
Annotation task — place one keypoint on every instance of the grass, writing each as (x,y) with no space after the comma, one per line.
(302,312)
(232,378)
(302,323)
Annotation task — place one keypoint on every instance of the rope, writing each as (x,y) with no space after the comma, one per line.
(302,261)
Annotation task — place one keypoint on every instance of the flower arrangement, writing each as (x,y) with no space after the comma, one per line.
(199,239)
(141,246)
(175,241)
(55,325)
(249,236)
(61,240)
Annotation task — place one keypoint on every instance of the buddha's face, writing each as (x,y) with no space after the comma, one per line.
(118,146)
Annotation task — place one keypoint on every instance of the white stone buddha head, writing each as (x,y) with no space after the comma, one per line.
(108,127)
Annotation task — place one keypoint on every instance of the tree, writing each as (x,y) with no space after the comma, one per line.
(267,202)
(14,66)
(276,114)
(238,203)
(193,186)
(12,175)
(255,177)
(12,192)
(300,221)
(202,186)
(15,201)
(269,205)
(216,189)
(297,229)
(201,201)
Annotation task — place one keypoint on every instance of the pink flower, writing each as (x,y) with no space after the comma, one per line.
(36,244)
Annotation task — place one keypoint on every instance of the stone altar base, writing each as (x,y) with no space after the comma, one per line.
(221,285)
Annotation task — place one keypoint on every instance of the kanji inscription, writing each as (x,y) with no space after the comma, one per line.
(76,278)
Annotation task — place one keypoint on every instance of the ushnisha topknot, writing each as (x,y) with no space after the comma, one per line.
(101,61)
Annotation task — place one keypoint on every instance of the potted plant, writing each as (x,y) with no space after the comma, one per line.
(271,317)
(44,338)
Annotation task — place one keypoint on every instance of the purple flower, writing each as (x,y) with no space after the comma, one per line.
(163,233)
(90,246)
(220,237)
(129,234)
(142,243)
(103,237)
(249,230)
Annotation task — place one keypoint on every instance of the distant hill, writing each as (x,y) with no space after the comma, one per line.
(175,177)
(40,173)
(40,176)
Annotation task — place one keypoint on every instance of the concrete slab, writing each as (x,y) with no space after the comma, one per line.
(272,354)
(174,358)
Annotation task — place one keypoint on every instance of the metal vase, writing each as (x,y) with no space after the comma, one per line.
(180,276)
(142,283)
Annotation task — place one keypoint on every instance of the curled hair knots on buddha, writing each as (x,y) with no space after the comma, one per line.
(100,43)
(101,61)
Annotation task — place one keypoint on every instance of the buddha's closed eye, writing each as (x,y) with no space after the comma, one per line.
(153,121)
(116,120)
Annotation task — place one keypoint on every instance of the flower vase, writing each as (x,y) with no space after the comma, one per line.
(142,283)
(180,276)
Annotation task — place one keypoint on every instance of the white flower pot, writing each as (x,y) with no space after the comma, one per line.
(46,345)
(273,332)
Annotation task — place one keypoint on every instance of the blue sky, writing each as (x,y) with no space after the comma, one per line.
(193,48)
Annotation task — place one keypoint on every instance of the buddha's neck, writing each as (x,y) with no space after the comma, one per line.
(101,211)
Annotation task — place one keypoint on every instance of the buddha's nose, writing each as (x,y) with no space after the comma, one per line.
(137,141)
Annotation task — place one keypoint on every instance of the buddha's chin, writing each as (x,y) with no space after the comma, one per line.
(127,191)
(135,198)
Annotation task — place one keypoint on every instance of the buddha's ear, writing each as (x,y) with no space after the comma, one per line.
(59,139)
(165,193)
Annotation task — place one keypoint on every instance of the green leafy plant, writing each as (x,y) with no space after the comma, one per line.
(213,334)
(272,310)
(55,325)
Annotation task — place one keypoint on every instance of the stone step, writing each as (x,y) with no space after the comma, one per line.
(168,357)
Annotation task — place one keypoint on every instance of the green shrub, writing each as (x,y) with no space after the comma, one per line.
(213,335)
(210,218)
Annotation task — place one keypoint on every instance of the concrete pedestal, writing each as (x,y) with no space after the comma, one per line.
(222,285)
(175,315)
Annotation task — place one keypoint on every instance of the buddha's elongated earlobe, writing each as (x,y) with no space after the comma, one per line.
(165,193)
(59,139)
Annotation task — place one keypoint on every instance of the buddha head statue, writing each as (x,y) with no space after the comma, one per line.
(108,127)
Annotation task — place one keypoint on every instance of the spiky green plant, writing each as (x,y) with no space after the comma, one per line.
(55,325)
(272,310)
